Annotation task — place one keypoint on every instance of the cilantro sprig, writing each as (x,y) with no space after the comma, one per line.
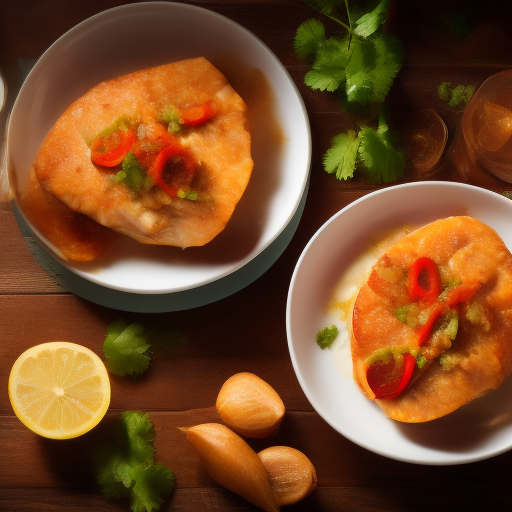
(124,464)
(360,68)
(371,149)
(454,96)
(127,347)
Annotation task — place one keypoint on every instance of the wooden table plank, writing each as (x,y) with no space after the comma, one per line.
(244,332)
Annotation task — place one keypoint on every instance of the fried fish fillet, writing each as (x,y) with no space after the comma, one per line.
(220,149)
(474,265)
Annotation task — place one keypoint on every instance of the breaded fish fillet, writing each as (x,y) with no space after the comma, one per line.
(466,323)
(219,149)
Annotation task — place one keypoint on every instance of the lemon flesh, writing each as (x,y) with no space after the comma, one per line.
(59,390)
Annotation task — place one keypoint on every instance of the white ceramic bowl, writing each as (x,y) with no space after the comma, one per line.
(96,50)
(478,430)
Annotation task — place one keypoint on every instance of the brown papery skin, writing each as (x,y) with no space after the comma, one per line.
(250,405)
(292,475)
(232,463)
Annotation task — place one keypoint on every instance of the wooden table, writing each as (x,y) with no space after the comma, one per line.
(246,331)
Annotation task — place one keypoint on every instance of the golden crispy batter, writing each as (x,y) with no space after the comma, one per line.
(76,236)
(467,253)
(220,147)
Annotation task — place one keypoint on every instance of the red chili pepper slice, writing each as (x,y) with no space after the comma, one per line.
(172,169)
(424,280)
(424,331)
(409,365)
(110,150)
(198,114)
(388,378)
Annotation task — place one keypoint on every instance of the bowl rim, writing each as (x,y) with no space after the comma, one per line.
(172,8)
(434,456)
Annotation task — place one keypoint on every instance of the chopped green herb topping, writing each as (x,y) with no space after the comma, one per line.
(326,336)
(122,122)
(191,195)
(453,325)
(450,360)
(172,117)
(420,361)
(133,175)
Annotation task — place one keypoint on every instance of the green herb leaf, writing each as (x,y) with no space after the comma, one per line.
(445,91)
(370,22)
(455,95)
(328,71)
(309,38)
(341,157)
(461,94)
(126,348)
(124,464)
(326,336)
(127,345)
(372,69)
(378,155)
(151,484)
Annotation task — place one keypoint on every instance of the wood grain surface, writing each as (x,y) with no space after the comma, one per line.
(246,331)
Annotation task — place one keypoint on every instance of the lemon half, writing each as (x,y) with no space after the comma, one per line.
(59,390)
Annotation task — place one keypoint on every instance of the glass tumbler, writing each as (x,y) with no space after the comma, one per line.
(487,127)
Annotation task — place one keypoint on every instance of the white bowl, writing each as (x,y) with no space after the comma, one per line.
(96,50)
(478,430)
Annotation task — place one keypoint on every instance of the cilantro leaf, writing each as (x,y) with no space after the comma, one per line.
(378,155)
(455,95)
(126,349)
(124,464)
(373,149)
(309,38)
(372,69)
(326,336)
(150,484)
(370,22)
(445,91)
(342,155)
(328,69)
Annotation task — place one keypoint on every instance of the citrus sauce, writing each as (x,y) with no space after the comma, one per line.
(344,294)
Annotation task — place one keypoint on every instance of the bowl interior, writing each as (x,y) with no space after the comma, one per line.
(476,431)
(94,51)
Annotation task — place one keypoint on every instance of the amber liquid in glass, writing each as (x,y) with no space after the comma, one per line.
(487,128)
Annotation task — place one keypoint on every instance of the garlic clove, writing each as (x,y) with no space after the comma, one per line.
(250,406)
(232,463)
(292,475)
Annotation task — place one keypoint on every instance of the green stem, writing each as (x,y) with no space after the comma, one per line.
(348,15)
(342,23)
